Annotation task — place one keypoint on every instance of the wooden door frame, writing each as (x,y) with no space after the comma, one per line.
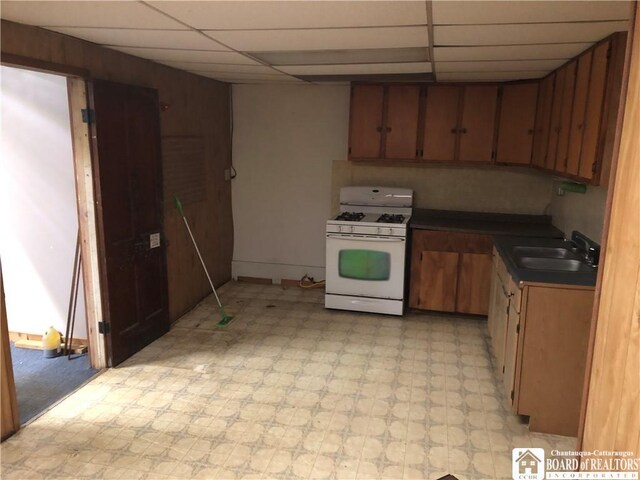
(85,196)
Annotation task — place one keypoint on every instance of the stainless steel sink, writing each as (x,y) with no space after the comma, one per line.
(552,264)
(544,252)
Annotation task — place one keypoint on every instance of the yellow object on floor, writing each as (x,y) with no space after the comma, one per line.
(51,343)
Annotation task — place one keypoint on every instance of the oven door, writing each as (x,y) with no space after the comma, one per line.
(366,266)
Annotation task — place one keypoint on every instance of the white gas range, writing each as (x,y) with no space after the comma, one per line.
(366,250)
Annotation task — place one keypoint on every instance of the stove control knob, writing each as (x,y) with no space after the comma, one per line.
(340,228)
(351,230)
(379,231)
(391,231)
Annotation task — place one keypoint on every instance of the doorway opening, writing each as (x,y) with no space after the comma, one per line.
(39,238)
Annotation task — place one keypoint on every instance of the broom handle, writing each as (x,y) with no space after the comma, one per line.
(198,251)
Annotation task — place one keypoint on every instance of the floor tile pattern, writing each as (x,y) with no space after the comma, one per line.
(288,390)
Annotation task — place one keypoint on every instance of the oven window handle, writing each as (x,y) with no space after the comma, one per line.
(365,237)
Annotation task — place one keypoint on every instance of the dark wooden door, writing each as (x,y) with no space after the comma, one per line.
(517,122)
(126,156)
(441,123)
(403,106)
(365,122)
(478,121)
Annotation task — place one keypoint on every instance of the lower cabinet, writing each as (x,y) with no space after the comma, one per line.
(539,336)
(438,281)
(450,271)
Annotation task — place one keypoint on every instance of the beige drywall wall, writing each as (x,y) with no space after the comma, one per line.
(285,138)
(38,210)
(577,211)
(493,189)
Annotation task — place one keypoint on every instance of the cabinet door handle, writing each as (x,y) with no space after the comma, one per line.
(378,129)
(463,130)
(454,130)
(388,129)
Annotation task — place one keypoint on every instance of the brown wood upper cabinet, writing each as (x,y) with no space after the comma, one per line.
(365,122)
(543,121)
(459,123)
(517,122)
(477,125)
(579,103)
(384,121)
(441,123)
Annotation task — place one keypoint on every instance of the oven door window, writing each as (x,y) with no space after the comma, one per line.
(364,264)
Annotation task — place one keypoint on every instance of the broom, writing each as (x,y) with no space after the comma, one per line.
(226,319)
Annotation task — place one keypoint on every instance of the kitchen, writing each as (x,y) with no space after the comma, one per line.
(290,155)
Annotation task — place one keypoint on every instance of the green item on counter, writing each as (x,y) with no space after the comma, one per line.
(573,187)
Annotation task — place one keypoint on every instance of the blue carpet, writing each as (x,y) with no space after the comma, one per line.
(41,382)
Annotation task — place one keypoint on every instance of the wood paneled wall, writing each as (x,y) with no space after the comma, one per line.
(612,420)
(197,107)
(9,419)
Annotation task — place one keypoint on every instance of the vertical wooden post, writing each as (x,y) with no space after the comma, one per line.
(10,420)
(86,218)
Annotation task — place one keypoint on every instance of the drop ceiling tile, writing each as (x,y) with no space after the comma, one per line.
(488,76)
(365,68)
(499,66)
(247,78)
(491,12)
(87,14)
(323,39)
(510,52)
(341,57)
(213,67)
(175,55)
(247,15)
(525,34)
(143,38)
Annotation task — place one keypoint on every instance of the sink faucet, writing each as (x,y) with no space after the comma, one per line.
(591,253)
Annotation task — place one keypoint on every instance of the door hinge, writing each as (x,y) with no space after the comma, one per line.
(503,367)
(349,150)
(518,329)
(493,154)
(594,167)
(88,115)
(512,394)
(104,328)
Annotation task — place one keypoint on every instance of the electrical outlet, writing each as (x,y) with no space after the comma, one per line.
(227,174)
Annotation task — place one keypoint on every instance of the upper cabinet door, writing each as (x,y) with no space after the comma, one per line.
(543,120)
(593,114)
(402,121)
(478,122)
(565,116)
(556,108)
(577,115)
(517,122)
(365,122)
(441,123)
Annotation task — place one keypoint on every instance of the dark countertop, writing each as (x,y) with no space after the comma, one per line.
(504,245)
(486,223)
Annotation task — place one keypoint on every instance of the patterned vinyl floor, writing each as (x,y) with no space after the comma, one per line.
(288,390)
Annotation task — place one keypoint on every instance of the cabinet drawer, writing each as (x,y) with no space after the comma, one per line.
(443,241)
